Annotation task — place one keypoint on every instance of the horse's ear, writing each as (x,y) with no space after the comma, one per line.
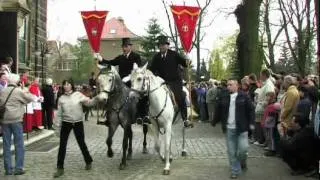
(144,68)
(135,66)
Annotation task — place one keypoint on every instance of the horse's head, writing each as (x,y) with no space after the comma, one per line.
(140,78)
(109,82)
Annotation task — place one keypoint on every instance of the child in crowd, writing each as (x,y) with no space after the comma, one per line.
(269,122)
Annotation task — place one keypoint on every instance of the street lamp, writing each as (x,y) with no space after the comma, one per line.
(43,53)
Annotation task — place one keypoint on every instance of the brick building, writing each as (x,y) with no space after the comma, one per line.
(23,34)
(113,31)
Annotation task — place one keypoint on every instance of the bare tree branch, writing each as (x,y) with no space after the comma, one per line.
(174,38)
(289,14)
(278,34)
(281,4)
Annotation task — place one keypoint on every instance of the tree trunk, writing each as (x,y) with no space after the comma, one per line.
(247,14)
(268,32)
(198,47)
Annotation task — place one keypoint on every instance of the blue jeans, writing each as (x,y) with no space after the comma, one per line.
(16,130)
(237,145)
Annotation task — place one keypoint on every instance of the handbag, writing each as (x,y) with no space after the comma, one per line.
(3,107)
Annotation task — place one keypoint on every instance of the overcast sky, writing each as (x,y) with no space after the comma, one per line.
(65,23)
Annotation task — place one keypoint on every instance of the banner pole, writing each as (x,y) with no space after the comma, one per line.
(184,151)
(189,85)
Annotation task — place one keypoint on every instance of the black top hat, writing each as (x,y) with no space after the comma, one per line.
(126,41)
(163,40)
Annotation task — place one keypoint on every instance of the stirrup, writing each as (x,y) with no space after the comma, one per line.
(146,120)
(103,123)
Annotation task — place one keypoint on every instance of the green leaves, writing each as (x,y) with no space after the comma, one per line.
(85,63)
(223,59)
(149,42)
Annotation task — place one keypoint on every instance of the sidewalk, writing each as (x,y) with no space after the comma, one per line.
(31,138)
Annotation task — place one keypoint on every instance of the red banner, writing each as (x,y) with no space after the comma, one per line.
(185,18)
(93,22)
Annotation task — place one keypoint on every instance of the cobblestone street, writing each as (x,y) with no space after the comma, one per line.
(207,158)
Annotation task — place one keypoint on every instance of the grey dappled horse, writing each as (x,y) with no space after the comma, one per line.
(120,110)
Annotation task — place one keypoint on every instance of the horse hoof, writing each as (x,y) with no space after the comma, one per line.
(110,154)
(183,153)
(145,151)
(129,156)
(166,172)
(122,166)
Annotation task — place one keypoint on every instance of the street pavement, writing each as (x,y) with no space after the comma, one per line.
(207,158)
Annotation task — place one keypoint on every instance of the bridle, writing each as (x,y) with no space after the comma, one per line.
(111,91)
(147,93)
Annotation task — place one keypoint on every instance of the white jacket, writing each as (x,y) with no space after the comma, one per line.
(70,107)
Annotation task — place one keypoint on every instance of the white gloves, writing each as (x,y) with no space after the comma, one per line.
(97,56)
(101,66)
(126,79)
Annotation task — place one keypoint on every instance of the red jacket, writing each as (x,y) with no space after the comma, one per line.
(271,111)
(35,89)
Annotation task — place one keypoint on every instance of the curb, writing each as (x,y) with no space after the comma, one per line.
(43,135)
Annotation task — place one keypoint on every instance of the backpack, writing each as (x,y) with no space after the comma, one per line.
(3,107)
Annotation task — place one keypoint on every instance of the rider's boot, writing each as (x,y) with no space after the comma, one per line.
(139,120)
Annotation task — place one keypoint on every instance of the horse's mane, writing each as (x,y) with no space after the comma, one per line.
(118,81)
(154,78)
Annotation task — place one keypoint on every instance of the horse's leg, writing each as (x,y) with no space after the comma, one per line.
(166,170)
(129,156)
(171,156)
(157,141)
(112,129)
(145,131)
(184,151)
(123,163)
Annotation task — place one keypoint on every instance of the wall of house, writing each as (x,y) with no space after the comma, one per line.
(30,15)
(112,48)
(37,35)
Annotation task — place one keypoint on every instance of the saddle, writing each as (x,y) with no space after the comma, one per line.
(172,97)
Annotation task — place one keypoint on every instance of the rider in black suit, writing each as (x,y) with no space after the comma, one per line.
(125,62)
(166,64)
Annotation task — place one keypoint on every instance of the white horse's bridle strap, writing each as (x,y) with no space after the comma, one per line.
(153,90)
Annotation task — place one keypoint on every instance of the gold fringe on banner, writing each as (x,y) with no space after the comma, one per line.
(185,11)
(93,15)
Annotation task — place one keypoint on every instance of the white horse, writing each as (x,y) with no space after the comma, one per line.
(161,108)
